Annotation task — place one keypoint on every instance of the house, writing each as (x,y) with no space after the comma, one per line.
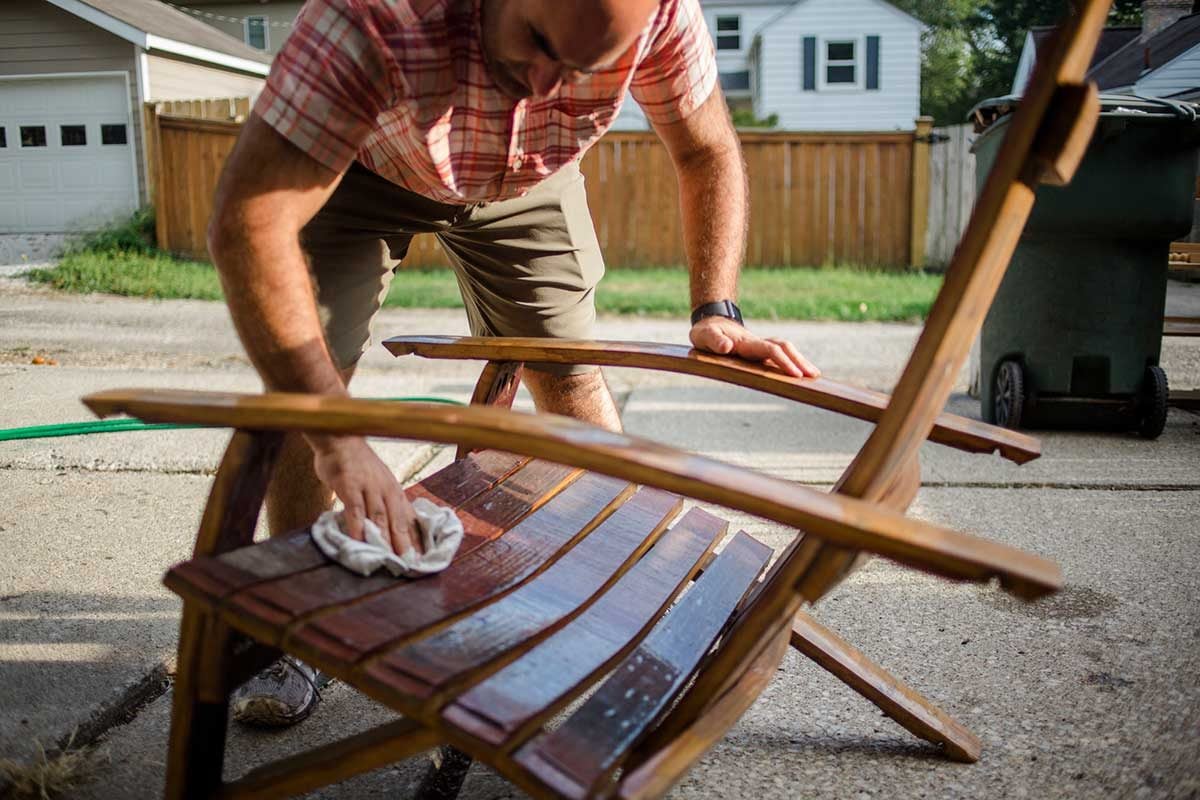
(1159,59)
(73,77)
(819,65)
(261,24)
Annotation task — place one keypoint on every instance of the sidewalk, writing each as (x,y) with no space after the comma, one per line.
(1089,694)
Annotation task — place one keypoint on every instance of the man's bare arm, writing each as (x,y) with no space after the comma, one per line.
(713,201)
(268,191)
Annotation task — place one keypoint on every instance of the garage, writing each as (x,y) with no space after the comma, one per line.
(67,159)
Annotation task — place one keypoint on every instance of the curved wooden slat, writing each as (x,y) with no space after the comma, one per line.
(949,429)
(483,642)
(578,755)
(350,634)
(663,767)
(504,709)
(840,520)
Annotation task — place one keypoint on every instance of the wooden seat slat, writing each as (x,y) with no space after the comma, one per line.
(266,609)
(210,580)
(350,634)
(484,641)
(590,745)
(516,700)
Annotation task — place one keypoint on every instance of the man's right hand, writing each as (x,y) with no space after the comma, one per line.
(367,488)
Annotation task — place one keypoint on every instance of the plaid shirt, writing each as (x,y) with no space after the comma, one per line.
(402,86)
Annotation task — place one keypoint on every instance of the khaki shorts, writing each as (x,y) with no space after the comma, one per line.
(525,267)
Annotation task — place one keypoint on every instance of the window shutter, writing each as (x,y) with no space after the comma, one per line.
(873,63)
(810,64)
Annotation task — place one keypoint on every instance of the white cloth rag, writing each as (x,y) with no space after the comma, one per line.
(441,533)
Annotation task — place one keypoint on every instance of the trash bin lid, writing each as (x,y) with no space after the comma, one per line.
(1112,106)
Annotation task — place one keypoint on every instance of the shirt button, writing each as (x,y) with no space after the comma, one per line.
(517,164)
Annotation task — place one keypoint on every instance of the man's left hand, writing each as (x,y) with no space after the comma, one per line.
(727,338)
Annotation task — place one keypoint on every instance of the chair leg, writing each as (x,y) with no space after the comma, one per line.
(196,753)
(445,776)
(896,699)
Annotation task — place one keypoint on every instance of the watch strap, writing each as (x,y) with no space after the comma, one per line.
(721,308)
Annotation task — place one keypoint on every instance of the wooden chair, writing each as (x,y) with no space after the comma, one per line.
(576,548)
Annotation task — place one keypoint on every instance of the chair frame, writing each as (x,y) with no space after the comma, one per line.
(1045,143)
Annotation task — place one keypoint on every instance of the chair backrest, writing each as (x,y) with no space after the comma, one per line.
(1044,143)
(1046,140)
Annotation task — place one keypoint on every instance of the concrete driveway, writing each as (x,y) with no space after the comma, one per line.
(1092,693)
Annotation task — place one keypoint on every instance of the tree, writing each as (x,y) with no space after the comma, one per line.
(971,48)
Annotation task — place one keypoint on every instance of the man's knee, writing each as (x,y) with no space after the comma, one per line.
(582,395)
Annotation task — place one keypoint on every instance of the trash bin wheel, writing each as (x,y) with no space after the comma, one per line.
(1010,394)
(1152,408)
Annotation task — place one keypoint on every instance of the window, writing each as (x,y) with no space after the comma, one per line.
(735,81)
(256,32)
(3,137)
(33,136)
(841,63)
(729,33)
(113,134)
(73,135)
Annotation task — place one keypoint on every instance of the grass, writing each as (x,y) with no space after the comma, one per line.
(48,775)
(122,261)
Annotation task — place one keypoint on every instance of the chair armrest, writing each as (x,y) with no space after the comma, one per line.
(835,518)
(949,429)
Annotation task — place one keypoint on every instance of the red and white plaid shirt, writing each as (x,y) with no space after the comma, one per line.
(402,86)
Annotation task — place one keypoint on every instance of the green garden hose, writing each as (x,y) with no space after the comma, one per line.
(124,425)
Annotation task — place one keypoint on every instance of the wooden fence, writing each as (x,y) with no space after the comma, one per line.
(951,192)
(815,198)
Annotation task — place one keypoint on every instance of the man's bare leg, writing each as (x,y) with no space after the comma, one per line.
(585,397)
(296,496)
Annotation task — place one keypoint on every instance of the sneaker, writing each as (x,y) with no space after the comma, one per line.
(282,694)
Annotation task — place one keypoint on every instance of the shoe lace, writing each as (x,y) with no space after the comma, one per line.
(280,668)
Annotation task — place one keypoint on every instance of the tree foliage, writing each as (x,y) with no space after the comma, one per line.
(971,48)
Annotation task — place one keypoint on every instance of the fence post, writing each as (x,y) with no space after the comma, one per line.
(154,168)
(922,143)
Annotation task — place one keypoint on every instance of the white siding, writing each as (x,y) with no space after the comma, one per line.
(37,38)
(171,79)
(897,103)
(1180,75)
(752,19)
(279,16)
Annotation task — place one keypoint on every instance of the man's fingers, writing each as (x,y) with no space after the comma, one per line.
(807,367)
(403,530)
(352,517)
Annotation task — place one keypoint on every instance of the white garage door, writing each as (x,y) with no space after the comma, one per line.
(66,153)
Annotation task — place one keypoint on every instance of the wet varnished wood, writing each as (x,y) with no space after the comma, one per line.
(210,580)
(497,386)
(350,634)
(266,609)
(321,766)
(843,521)
(895,698)
(584,751)
(519,698)
(485,641)
(949,429)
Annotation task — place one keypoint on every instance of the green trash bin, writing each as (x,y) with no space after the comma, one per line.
(1074,336)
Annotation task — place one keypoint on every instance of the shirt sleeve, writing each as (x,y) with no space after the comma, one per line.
(330,81)
(679,70)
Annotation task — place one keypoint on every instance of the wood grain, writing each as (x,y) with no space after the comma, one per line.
(486,640)
(513,702)
(840,520)
(267,608)
(949,429)
(350,634)
(895,698)
(589,746)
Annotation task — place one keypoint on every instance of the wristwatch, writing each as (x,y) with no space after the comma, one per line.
(721,308)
